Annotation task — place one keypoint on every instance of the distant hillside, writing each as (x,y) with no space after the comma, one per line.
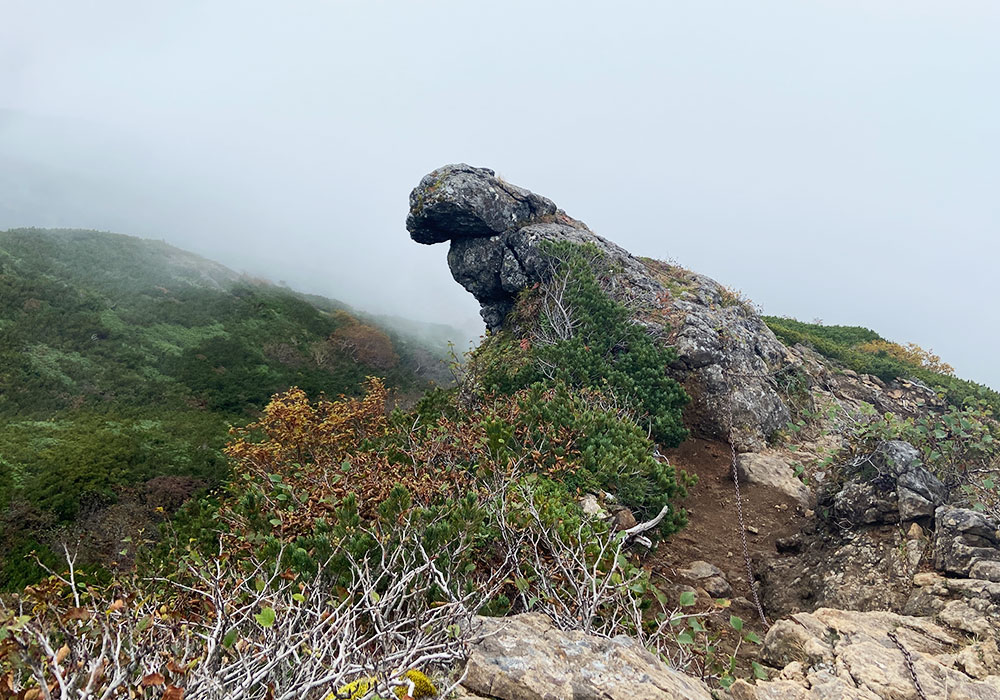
(865,351)
(123,362)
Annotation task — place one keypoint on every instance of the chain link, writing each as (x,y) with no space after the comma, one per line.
(909,665)
(743,535)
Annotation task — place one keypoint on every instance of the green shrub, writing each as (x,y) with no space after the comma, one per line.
(605,349)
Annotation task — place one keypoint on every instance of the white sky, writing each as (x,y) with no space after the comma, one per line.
(832,159)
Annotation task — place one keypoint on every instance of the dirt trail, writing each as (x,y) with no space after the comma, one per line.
(712,533)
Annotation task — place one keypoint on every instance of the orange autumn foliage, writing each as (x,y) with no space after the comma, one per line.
(363,343)
(304,457)
(295,430)
(910,353)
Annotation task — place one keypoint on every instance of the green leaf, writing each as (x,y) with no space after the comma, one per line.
(298,598)
(758,671)
(752,638)
(685,638)
(736,623)
(274,477)
(230,638)
(688,599)
(275,522)
(661,598)
(265,618)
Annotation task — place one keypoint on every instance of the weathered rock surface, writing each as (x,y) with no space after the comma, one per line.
(890,486)
(868,569)
(963,539)
(726,353)
(526,658)
(850,655)
(774,472)
(460,201)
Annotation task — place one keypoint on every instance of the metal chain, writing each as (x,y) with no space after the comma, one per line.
(743,533)
(739,505)
(909,665)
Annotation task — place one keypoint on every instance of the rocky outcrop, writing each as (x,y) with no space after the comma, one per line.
(727,355)
(889,486)
(825,655)
(966,540)
(846,655)
(525,657)
(868,569)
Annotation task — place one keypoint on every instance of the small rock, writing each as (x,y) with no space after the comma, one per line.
(963,538)
(525,657)
(774,472)
(789,545)
(915,532)
(717,587)
(624,519)
(959,615)
(794,672)
(986,570)
(914,552)
(698,570)
(591,506)
(752,530)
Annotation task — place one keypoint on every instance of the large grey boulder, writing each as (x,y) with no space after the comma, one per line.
(459,201)
(525,657)
(726,354)
(963,539)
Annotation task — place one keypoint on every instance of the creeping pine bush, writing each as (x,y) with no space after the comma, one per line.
(579,335)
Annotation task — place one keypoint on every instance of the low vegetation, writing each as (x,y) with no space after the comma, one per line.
(122,364)
(866,352)
(371,536)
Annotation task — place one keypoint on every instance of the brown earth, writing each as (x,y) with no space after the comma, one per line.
(713,533)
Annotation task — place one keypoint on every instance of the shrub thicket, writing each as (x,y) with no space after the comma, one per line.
(573,331)
(122,360)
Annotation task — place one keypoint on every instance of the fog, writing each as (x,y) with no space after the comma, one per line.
(834,160)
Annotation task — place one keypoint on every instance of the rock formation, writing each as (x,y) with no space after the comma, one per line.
(892,587)
(727,356)
(526,658)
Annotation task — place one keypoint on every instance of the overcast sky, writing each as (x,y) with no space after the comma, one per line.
(831,159)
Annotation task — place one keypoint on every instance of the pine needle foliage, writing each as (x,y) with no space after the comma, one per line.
(590,342)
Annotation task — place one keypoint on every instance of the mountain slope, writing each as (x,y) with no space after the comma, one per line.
(124,360)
